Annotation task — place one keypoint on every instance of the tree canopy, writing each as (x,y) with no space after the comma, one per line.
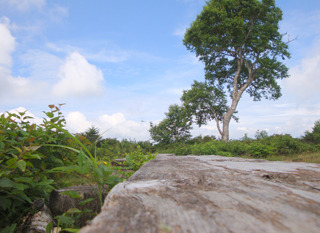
(241,47)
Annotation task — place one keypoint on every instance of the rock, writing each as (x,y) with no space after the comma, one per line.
(39,221)
(59,203)
(118,162)
(213,194)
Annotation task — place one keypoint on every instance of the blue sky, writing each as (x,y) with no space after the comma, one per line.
(119,65)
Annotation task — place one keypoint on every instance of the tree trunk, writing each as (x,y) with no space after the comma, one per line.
(225,127)
(227,117)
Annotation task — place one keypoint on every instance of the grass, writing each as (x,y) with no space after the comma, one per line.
(307,157)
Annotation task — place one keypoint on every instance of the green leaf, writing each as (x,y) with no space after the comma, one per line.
(20,186)
(23,179)
(80,158)
(43,165)
(49,114)
(11,161)
(2,145)
(73,211)
(18,149)
(65,220)
(32,156)
(71,229)
(10,229)
(5,203)
(22,165)
(86,201)
(49,227)
(6,183)
(71,194)
(25,197)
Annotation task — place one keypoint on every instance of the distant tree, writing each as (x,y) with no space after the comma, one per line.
(314,135)
(240,44)
(174,128)
(93,135)
(261,134)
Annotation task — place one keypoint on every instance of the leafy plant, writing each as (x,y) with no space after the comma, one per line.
(87,166)
(136,159)
(22,167)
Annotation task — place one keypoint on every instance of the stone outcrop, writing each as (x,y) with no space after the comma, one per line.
(60,203)
(213,194)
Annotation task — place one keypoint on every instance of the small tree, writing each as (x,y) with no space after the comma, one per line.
(313,136)
(261,134)
(205,102)
(239,43)
(174,128)
(93,135)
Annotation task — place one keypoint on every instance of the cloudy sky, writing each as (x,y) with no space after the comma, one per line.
(119,64)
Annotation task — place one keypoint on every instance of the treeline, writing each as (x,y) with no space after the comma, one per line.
(260,147)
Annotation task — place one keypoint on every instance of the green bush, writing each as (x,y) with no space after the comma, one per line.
(23,164)
(208,148)
(286,144)
(259,150)
(136,159)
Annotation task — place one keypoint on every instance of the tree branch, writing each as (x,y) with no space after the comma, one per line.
(217,120)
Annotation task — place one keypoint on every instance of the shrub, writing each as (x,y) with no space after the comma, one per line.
(259,150)
(23,164)
(136,159)
(286,144)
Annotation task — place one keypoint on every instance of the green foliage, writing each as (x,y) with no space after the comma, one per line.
(205,102)
(259,148)
(261,134)
(88,166)
(33,157)
(174,128)
(92,135)
(136,159)
(286,144)
(314,135)
(111,148)
(23,162)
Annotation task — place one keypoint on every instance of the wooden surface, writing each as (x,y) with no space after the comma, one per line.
(214,194)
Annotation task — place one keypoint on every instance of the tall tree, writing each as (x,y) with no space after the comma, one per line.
(174,128)
(240,44)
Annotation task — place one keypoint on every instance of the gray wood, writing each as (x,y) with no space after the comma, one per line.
(214,194)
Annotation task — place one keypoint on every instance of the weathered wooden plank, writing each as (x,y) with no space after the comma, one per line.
(214,194)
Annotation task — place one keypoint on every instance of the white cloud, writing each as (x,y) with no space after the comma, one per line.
(77,122)
(114,126)
(7,44)
(12,87)
(119,127)
(304,82)
(24,5)
(78,78)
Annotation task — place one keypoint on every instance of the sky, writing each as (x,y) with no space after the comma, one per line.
(118,65)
